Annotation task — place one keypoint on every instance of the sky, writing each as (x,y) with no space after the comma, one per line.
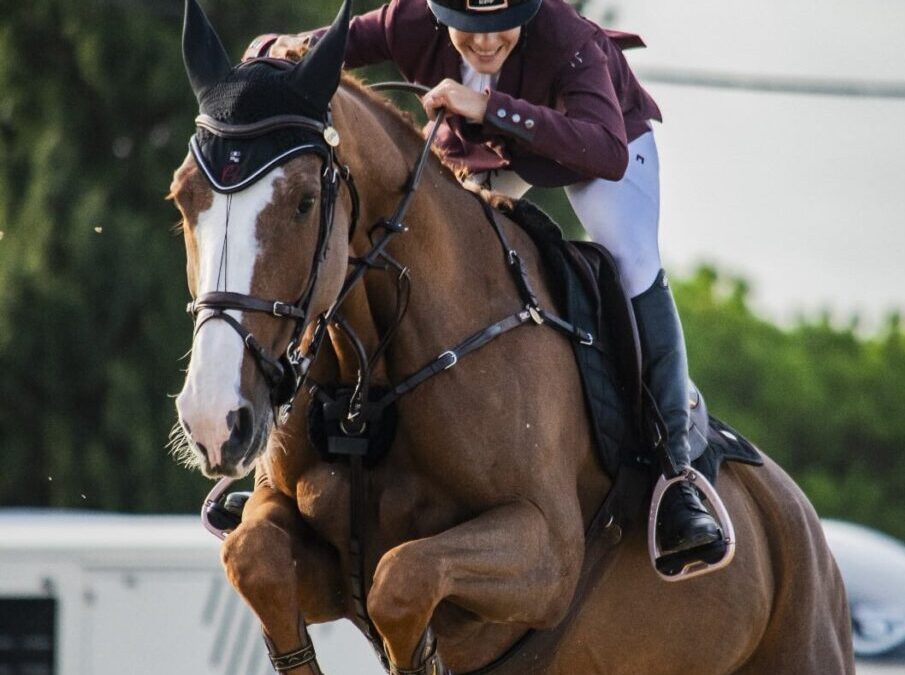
(802,195)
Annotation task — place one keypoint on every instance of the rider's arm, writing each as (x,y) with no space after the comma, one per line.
(588,136)
(367,40)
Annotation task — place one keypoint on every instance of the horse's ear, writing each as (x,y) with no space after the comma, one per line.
(316,76)
(206,61)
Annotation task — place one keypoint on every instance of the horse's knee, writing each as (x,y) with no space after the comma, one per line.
(405,588)
(553,584)
(257,558)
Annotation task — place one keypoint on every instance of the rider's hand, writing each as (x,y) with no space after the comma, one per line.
(457,99)
(291,47)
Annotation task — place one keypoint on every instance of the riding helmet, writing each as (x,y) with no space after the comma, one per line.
(484,16)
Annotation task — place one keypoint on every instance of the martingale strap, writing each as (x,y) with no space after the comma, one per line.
(451,357)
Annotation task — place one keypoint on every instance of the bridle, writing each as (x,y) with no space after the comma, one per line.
(284,374)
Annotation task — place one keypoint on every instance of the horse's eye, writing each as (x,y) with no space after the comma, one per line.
(305,205)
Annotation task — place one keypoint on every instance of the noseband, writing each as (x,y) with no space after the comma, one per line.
(283,374)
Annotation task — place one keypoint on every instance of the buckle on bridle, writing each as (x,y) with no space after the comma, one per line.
(588,340)
(351,427)
(455,358)
(331,173)
(281,308)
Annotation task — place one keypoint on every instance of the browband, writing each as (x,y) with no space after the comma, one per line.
(227,187)
(253,129)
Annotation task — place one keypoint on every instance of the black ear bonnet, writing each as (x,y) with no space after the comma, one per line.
(261,113)
(253,92)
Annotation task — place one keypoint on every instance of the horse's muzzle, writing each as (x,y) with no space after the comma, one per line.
(224,447)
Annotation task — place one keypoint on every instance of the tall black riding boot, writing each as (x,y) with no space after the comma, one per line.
(684,522)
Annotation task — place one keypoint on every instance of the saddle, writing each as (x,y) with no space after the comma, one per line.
(589,294)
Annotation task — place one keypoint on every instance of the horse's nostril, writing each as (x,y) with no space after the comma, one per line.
(202,448)
(240,424)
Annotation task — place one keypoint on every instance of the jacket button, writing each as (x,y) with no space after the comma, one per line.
(501,112)
(529,124)
(516,118)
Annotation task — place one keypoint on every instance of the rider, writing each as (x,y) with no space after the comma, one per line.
(536,94)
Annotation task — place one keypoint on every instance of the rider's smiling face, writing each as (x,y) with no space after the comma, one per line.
(485,52)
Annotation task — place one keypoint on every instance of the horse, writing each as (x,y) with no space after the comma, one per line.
(476,548)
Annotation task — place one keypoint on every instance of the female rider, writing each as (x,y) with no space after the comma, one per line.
(538,95)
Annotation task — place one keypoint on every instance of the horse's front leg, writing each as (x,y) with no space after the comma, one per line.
(511,564)
(285,573)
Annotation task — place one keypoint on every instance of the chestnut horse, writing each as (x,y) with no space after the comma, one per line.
(476,518)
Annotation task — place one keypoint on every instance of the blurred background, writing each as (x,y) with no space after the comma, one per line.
(783,224)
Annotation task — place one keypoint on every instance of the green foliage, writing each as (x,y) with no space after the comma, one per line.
(95,115)
(821,400)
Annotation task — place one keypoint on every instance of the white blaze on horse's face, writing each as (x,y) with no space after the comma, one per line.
(216,416)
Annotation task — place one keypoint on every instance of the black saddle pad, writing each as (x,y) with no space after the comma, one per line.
(578,299)
(589,295)
(725,444)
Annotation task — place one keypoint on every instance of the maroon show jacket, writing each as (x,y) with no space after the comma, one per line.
(565,106)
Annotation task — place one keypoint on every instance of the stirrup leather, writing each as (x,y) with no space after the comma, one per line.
(725,548)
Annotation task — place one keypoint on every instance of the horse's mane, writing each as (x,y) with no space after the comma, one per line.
(406,121)
(404,118)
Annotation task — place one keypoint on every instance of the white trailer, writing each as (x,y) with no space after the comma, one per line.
(99,594)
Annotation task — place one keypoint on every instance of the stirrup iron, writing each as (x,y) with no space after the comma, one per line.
(212,502)
(716,556)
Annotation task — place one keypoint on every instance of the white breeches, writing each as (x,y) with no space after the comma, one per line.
(622,215)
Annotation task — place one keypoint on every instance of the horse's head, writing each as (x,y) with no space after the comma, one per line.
(264,251)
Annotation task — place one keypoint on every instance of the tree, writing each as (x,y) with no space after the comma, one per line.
(93,121)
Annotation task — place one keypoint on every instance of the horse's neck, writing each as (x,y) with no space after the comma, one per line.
(459,280)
